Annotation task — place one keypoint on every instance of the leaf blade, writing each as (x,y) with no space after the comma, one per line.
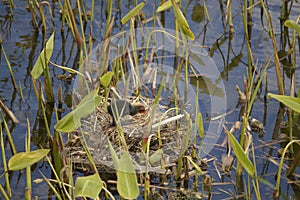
(291,102)
(132,13)
(39,67)
(292,24)
(241,155)
(182,22)
(165,6)
(106,79)
(25,159)
(127,181)
(88,186)
(195,165)
(71,121)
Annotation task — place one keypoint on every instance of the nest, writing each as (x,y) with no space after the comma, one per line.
(173,127)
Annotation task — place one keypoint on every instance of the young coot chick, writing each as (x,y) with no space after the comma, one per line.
(120,108)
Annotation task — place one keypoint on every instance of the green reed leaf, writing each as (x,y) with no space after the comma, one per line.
(195,165)
(71,121)
(25,159)
(132,13)
(292,24)
(200,125)
(88,186)
(182,22)
(39,66)
(291,102)
(70,70)
(106,79)
(165,6)
(241,155)
(127,181)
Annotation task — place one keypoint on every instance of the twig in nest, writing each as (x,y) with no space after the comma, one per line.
(171,119)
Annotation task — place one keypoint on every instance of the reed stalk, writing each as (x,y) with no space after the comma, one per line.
(134,65)
(293,81)
(73,26)
(247,113)
(93,11)
(255,182)
(31,8)
(276,58)
(64,16)
(82,30)
(82,12)
(45,116)
(109,12)
(28,190)
(9,136)
(197,120)
(6,197)
(229,14)
(5,168)
(43,18)
(248,42)
(57,181)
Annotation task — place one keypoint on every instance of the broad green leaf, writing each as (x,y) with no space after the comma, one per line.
(292,24)
(106,78)
(71,121)
(165,6)
(88,186)
(39,66)
(291,102)
(241,155)
(182,22)
(127,182)
(23,159)
(194,164)
(156,156)
(132,13)
(200,125)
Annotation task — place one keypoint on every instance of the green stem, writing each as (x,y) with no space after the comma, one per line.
(276,192)
(28,190)
(7,182)
(4,193)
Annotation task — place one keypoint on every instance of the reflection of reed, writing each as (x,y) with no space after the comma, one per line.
(207,86)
